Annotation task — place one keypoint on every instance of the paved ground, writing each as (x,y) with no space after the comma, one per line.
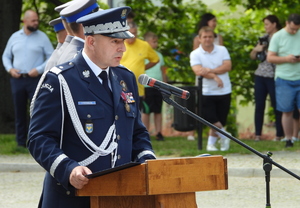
(21,183)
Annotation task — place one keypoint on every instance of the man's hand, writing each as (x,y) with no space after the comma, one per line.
(33,73)
(219,81)
(204,71)
(77,176)
(14,73)
(292,59)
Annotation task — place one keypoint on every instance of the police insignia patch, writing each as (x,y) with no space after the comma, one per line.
(47,86)
(89,127)
(86,73)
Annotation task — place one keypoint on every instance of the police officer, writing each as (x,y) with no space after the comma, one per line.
(86,116)
(70,34)
(60,36)
(74,41)
(71,13)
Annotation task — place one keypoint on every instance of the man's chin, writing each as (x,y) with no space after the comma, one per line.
(32,29)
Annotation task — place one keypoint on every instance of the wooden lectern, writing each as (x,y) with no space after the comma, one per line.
(161,183)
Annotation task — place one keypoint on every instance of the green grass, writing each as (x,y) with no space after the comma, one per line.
(180,146)
(172,146)
(8,145)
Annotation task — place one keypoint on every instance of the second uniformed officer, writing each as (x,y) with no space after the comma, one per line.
(86,116)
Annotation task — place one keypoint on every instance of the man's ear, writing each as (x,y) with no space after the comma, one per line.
(90,40)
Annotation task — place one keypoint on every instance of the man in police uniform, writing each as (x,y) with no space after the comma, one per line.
(71,13)
(60,37)
(82,123)
(70,34)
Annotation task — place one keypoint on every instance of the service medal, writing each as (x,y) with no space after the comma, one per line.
(127,107)
(124,86)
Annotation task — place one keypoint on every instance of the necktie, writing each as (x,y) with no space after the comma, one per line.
(103,76)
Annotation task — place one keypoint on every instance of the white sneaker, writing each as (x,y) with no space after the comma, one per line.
(294,139)
(225,143)
(211,147)
(190,138)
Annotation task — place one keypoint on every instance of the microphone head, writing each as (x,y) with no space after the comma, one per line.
(143,79)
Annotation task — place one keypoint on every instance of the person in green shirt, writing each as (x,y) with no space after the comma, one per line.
(284,51)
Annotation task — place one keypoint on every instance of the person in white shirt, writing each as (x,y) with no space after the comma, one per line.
(213,63)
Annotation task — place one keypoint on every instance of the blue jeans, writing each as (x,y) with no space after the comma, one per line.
(287,94)
(264,86)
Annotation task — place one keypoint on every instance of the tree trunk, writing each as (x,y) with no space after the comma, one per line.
(10,17)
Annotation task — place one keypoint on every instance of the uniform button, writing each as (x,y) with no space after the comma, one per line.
(118,137)
(70,63)
(68,192)
(58,184)
(61,67)
(116,117)
(88,115)
(119,157)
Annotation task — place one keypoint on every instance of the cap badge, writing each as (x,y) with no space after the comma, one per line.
(124,12)
(86,73)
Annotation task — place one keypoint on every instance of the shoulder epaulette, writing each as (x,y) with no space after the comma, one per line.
(62,67)
(124,67)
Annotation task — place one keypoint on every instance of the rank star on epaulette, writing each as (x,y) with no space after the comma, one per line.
(86,73)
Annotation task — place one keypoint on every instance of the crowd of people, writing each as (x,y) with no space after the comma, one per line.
(84,95)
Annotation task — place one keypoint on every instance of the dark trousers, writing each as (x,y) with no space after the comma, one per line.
(23,90)
(264,86)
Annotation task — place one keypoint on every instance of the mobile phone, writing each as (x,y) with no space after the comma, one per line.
(297,56)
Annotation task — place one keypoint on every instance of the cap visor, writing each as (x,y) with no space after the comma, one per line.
(121,35)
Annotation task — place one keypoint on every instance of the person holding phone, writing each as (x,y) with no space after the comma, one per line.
(283,49)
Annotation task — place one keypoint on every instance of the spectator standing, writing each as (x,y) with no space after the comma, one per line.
(209,20)
(284,51)
(93,105)
(213,63)
(24,58)
(153,97)
(137,51)
(264,83)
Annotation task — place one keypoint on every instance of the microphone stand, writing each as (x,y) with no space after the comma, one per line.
(267,161)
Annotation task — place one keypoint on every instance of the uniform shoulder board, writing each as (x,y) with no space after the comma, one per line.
(62,67)
(124,67)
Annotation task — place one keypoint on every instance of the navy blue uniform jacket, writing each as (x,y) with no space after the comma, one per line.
(54,143)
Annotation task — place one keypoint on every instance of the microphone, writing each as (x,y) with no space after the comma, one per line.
(144,79)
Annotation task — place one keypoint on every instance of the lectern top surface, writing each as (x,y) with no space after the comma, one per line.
(111,170)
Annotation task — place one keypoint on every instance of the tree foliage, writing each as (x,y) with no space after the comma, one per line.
(175,22)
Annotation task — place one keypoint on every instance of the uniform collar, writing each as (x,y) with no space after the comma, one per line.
(96,69)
